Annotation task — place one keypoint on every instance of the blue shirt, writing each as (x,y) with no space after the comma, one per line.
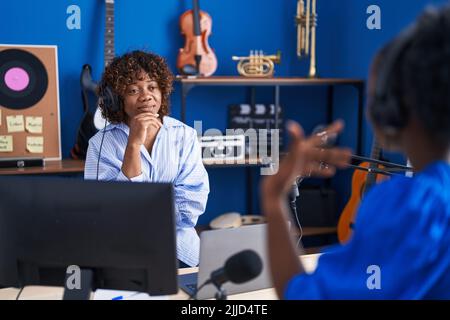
(175,158)
(401,245)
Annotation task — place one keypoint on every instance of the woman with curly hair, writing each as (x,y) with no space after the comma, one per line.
(143,144)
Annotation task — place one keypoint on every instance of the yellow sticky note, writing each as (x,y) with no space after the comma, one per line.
(35,144)
(15,124)
(6,144)
(33,124)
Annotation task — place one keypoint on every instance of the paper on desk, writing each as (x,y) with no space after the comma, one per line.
(15,123)
(101,294)
(6,144)
(33,124)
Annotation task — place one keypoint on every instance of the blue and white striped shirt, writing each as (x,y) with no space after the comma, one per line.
(175,158)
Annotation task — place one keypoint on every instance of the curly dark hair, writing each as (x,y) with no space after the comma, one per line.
(125,70)
(421,76)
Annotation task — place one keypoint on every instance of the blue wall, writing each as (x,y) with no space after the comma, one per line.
(345,49)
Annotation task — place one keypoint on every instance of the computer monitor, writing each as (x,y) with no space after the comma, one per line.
(123,232)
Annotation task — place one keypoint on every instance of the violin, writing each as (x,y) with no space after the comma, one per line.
(196,57)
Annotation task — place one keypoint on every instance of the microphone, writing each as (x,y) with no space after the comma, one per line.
(239,268)
(293,195)
(328,141)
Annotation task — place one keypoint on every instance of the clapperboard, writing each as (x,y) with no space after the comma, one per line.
(259,116)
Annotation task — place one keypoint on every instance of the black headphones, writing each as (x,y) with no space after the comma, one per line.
(110,100)
(386,109)
(111,104)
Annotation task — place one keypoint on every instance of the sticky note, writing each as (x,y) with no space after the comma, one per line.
(6,144)
(15,124)
(33,124)
(35,144)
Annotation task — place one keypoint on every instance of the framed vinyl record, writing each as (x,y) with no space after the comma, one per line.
(29,102)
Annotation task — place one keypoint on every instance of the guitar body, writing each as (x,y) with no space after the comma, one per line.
(348,216)
(87,128)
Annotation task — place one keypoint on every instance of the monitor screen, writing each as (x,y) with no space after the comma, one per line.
(123,232)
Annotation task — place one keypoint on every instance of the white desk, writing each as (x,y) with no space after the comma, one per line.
(56,293)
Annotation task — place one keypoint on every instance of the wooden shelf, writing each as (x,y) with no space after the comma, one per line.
(278,81)
(317,231)
(307,231)
(187,83)
(67,166)
(313,250)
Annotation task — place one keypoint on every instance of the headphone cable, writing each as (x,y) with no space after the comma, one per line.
(193,295)
(100,151)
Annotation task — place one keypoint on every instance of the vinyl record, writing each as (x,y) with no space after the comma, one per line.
(23,79)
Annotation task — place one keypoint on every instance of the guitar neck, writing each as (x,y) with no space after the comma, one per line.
(375,154)
(109,50)
(376,150)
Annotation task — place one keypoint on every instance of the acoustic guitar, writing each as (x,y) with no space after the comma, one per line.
(92,119)
(362,181)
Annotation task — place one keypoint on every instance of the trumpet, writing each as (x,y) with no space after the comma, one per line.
(306,21)
(257,64)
